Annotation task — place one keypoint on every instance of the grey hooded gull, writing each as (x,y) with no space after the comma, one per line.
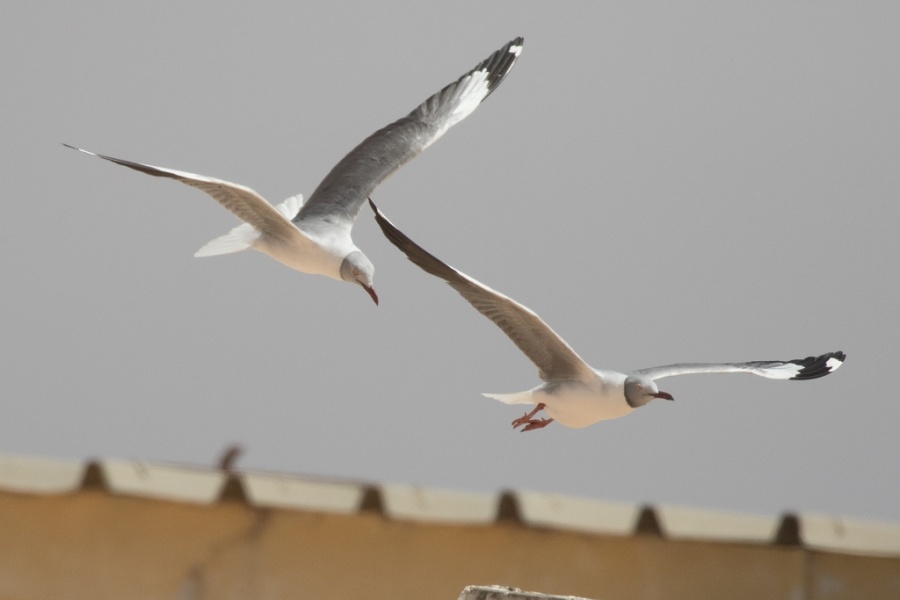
(315,237)
(573,392)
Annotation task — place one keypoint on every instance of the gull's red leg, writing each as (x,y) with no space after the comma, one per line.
(529,417)
(537,424)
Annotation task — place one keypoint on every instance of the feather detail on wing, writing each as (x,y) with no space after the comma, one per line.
(241,201)
(344,190)
(811,367)
(553,357)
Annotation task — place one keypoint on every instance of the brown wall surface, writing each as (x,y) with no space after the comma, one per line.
(94,545)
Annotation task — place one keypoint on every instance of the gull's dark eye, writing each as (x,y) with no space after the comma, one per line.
(640,387)
(355,272)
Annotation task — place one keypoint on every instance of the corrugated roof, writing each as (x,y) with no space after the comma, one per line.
(849,536)
(163,482)
(288,492)
(576,514)
(679,522)
(176,483)
(412,503)
(38,475)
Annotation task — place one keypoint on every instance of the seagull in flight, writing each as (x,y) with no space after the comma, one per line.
(573,392)
(315,237)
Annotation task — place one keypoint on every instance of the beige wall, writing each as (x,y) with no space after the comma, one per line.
(94,545)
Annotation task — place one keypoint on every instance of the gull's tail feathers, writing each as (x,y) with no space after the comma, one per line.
(514,398)
(239,238)
(290,207)
(243,236)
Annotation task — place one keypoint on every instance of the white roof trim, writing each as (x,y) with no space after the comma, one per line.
(577,514)
(849,536)
(39,475)
(407,502)
(281,491)
(680,522)
(164,482)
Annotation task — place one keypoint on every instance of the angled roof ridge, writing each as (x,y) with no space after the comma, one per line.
(200,484)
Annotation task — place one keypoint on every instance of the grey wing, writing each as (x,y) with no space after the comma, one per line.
(342,193)
(243,202)
(553,357)
(811,367)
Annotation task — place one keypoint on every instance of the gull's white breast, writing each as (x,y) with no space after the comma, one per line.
(301,255)
(579,405)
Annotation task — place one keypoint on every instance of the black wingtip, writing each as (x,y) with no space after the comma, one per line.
(500,63)
(814,367)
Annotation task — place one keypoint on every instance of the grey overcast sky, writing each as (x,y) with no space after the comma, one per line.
(662,182)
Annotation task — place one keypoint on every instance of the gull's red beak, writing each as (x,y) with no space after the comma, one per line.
(371,292)
(663,395)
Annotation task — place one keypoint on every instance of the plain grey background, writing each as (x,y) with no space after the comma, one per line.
(661,182)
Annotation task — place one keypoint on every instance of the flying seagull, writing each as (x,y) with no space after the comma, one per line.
(315,237)
(573,392)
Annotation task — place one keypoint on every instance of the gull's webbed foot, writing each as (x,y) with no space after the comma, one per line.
(537,424)
(529,421)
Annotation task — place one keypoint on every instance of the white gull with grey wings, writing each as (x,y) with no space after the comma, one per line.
(573,392)
(315,237)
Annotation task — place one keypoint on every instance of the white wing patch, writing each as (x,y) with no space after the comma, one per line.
(833,363)
(471,91)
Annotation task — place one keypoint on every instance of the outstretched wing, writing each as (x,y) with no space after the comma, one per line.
(243,202)
(811,367)
(343,191)
(553,357)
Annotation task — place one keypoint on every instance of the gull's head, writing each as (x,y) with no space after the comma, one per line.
(640,390)
(357,268)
